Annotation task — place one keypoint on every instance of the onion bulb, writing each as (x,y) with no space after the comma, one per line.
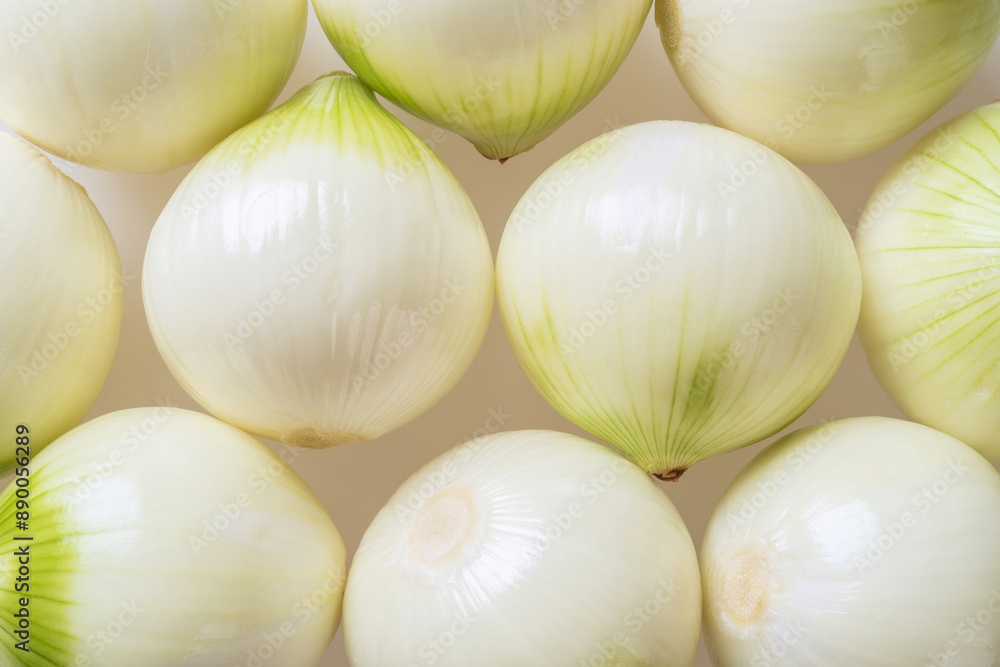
(825,81)
(301,289)
(869,542)
(929,244)
(60,295)
(677,290)
(525,548)
(164,537)
(142,85)
(504,74)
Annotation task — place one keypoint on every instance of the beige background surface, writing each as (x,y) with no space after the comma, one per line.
(354,481)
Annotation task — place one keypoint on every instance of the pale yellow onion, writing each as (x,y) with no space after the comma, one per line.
(504,74)
(867,542)
(142,85)
(677,290)
(302,289)
(61,290)
(929,244)
(825,81)
(164,537)
(525,548)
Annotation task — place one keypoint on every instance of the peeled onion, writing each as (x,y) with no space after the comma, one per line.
(677,290)
(61,290)
(300,292)
(504,74)
(525,548)
(869,542)
(929,244)
(164,537)
(825,81)
(142,85)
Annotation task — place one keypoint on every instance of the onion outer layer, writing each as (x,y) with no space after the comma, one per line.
(525,548)
(929,244)
(61,290)
(664,300)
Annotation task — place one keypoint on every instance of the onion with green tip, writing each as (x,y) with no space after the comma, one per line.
(320,277)
(678,290)
(525,548)
(164,537)
(61,290)
(504,74)
(929,244)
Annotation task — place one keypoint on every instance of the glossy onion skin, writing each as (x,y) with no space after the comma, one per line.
(929,245)
(672,317)
(504,74)
(142,85)
(60,298)
(127,569)
(824,82)
(879,546)
(569,542)
(301,289)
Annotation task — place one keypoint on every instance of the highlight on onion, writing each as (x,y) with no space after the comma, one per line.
(525,548)
(823,82)
(867,542)
(299,287)
(678,291)
(61,290)
(142,85)
(163,537)
(504,74)
(929,244)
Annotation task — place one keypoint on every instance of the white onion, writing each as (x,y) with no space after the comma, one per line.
(164,537)
(929,244)
(825,81)
(525,548)
(60,297)
(677,290)
(504,74)
(142,85)
(302,289)
(868,542)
